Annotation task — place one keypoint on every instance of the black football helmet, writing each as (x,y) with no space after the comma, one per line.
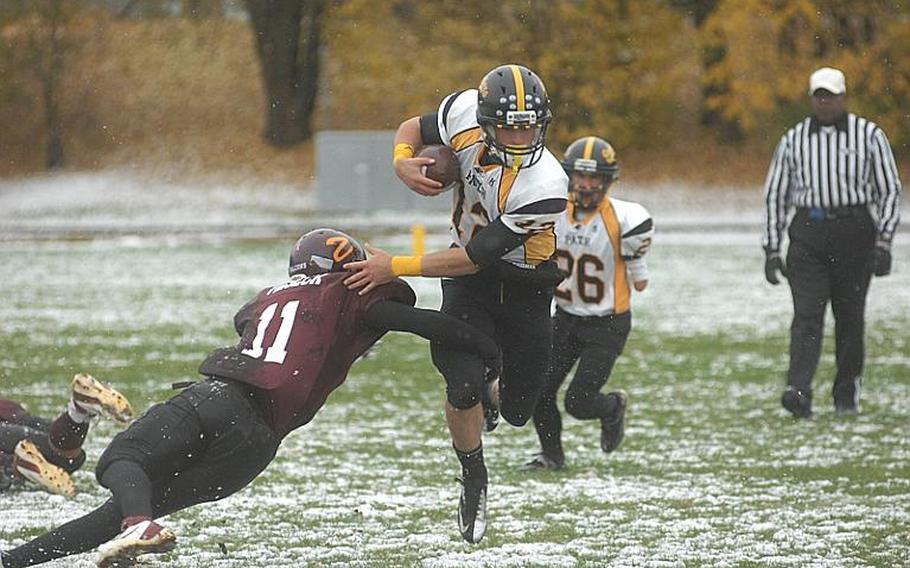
(513,97)
(594,156)
(324,250)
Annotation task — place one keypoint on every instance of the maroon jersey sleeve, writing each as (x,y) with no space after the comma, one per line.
(244,316)
(397,290)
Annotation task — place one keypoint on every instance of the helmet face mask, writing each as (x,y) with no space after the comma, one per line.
(513,112)
(591,165)
(321,251)
(587,190)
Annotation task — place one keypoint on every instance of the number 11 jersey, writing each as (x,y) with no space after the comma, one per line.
(298,339)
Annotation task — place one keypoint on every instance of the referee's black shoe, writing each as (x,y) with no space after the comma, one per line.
(472,507)
(797,402)
(612,428)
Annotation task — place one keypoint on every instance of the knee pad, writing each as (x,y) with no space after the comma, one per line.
(515,416)
(103,462)
(112,454)
(462,394)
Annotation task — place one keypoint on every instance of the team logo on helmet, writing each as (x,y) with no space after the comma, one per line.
(342,247)
(483,88)
(324,250)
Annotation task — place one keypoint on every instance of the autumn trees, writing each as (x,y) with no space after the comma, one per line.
(288,40)
(645,73)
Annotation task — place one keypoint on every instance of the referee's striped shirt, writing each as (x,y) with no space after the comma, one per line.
(827,167)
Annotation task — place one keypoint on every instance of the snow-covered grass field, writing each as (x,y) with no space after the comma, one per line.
(712,471)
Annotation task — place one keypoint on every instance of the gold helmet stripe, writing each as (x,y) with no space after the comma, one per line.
(519,86)
(589,148)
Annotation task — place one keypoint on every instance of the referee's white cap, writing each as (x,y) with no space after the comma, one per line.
(829,79)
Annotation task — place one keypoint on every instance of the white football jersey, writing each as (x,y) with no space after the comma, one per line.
(598,254)
(490,191)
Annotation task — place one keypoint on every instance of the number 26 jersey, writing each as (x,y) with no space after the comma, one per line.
(598,254)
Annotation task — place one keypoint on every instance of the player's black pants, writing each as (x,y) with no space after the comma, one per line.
(830,259)
(202,445)
(516,313)
(596,343)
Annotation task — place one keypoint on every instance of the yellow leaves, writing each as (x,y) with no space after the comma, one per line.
(747,64)
(759,55)
(638,73)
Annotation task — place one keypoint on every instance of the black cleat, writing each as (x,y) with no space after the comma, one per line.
(797,402)
(472,508)
(545,461)
(612,428)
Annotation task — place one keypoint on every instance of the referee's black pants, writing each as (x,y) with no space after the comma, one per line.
(830,259)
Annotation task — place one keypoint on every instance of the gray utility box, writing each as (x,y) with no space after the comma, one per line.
(354,174)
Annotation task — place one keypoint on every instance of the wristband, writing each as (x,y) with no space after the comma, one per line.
(407,265)
(401,152)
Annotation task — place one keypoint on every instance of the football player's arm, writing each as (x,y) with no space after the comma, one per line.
(636,242)
(409,139)
(504,234)
(638,271)
(487,246)
(389,315)
(244,316)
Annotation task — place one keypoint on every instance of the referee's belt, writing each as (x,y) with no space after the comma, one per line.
(820,214)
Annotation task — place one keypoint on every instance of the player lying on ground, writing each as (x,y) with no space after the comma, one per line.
(601,243)
(298,340)
(45,452)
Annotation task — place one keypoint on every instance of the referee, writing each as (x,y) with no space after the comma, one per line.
(837,170)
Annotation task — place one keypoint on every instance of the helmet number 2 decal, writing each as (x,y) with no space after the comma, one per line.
(343,247)
(277,352)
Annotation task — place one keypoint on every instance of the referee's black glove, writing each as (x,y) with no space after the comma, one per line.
(774,264)
(882,257)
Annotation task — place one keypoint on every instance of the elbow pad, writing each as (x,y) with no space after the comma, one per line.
(492,243)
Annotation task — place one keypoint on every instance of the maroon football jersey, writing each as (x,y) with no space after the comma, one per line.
(298,341)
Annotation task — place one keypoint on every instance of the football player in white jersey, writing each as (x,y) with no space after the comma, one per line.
(601,244)
(499,273)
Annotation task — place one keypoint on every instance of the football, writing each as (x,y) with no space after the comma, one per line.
(446,170)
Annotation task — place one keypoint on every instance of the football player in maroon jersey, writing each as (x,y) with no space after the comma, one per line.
(298,339)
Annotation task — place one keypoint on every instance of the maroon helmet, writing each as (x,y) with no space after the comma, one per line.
(324,250)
